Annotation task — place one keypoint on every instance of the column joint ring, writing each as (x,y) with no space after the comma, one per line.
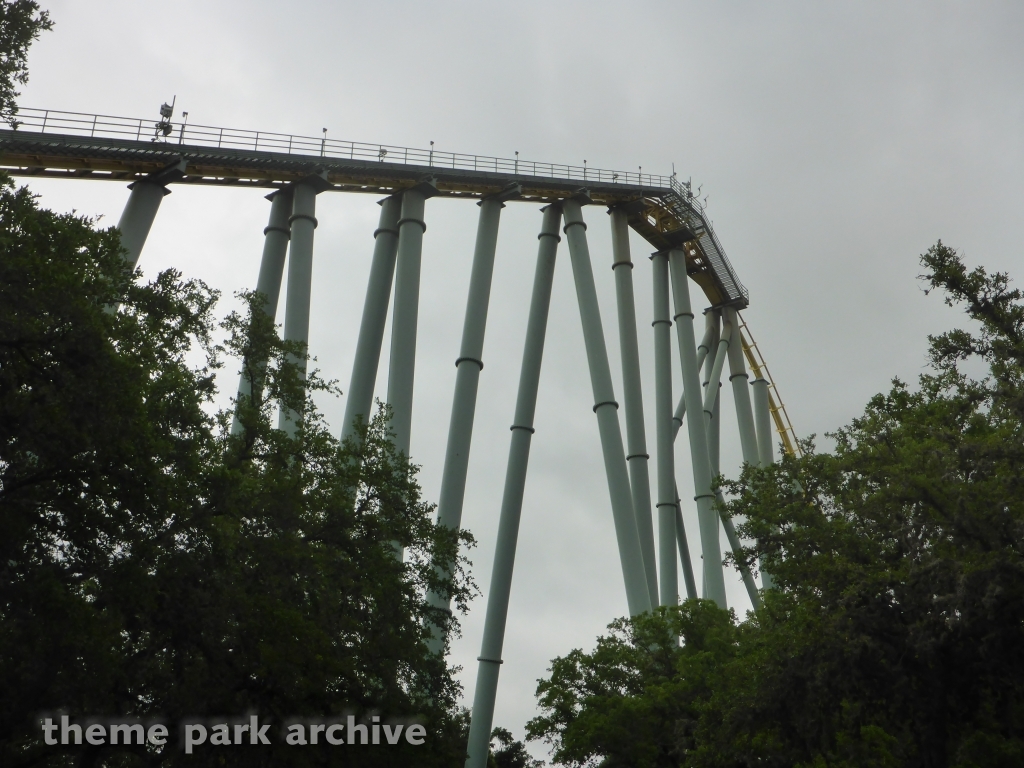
(579,223)
(531,430)
(704,496)
(658,322)
(606,402)
(638,456)
(306,216)
(682,314)
(410,219)
(277,229)
(665,504)
(622,264)
(492,661)
(382,230)
(745,376)
(558,238)
(470,360)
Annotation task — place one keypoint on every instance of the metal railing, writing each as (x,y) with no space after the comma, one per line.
(678,196)
(688,208)
(142,129)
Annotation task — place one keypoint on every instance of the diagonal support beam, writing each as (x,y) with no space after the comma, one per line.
(467,378)
(606,408)
(512,497)
(667,502)
(275,249)
(637,457)
(699,456)
(301,223)
(141,209)
(375,312)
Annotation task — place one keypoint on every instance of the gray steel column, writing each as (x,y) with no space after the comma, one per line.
(407,303)
(137,218)
(712,323)
(300,280)
(700,460)
(467,377)
(684,553)
(763,422)
(713,385)
(741,393)
(712,413)
(632,395)
(275,248)
(606,408)
(765,448)
(667,507)
(375,313)
(702,353)
(143,203)
(512,497)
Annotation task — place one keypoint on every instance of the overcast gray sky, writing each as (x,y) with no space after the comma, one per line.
(836,141)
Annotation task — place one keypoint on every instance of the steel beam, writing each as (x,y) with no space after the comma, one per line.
(699,457)
(512,497)
(375,312)
(268,284)
(637,457)
(302,222)
(668,508)
(467,377)
(606,408)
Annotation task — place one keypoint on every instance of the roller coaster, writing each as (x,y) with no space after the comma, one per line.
(151,157)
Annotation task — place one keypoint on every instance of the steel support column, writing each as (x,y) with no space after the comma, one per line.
(699,457)
(684,553)
(763,422)
(275,248)
(712,414)
(765,449)
(606,408)
(702,353)
(741,393)
(302,222)
(713,386)
(375,313)
(637,457)
(467,377)
(668,508)
(137,218)
(402,368)
(140,210)
(512,497)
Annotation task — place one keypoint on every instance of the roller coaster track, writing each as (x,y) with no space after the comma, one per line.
(55,144)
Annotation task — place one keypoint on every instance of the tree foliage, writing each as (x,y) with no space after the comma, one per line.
(896,634)
(154,565)
(21,21)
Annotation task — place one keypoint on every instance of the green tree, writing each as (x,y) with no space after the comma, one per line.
(896,634)
(509,753)
(21,21)
(154,565)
